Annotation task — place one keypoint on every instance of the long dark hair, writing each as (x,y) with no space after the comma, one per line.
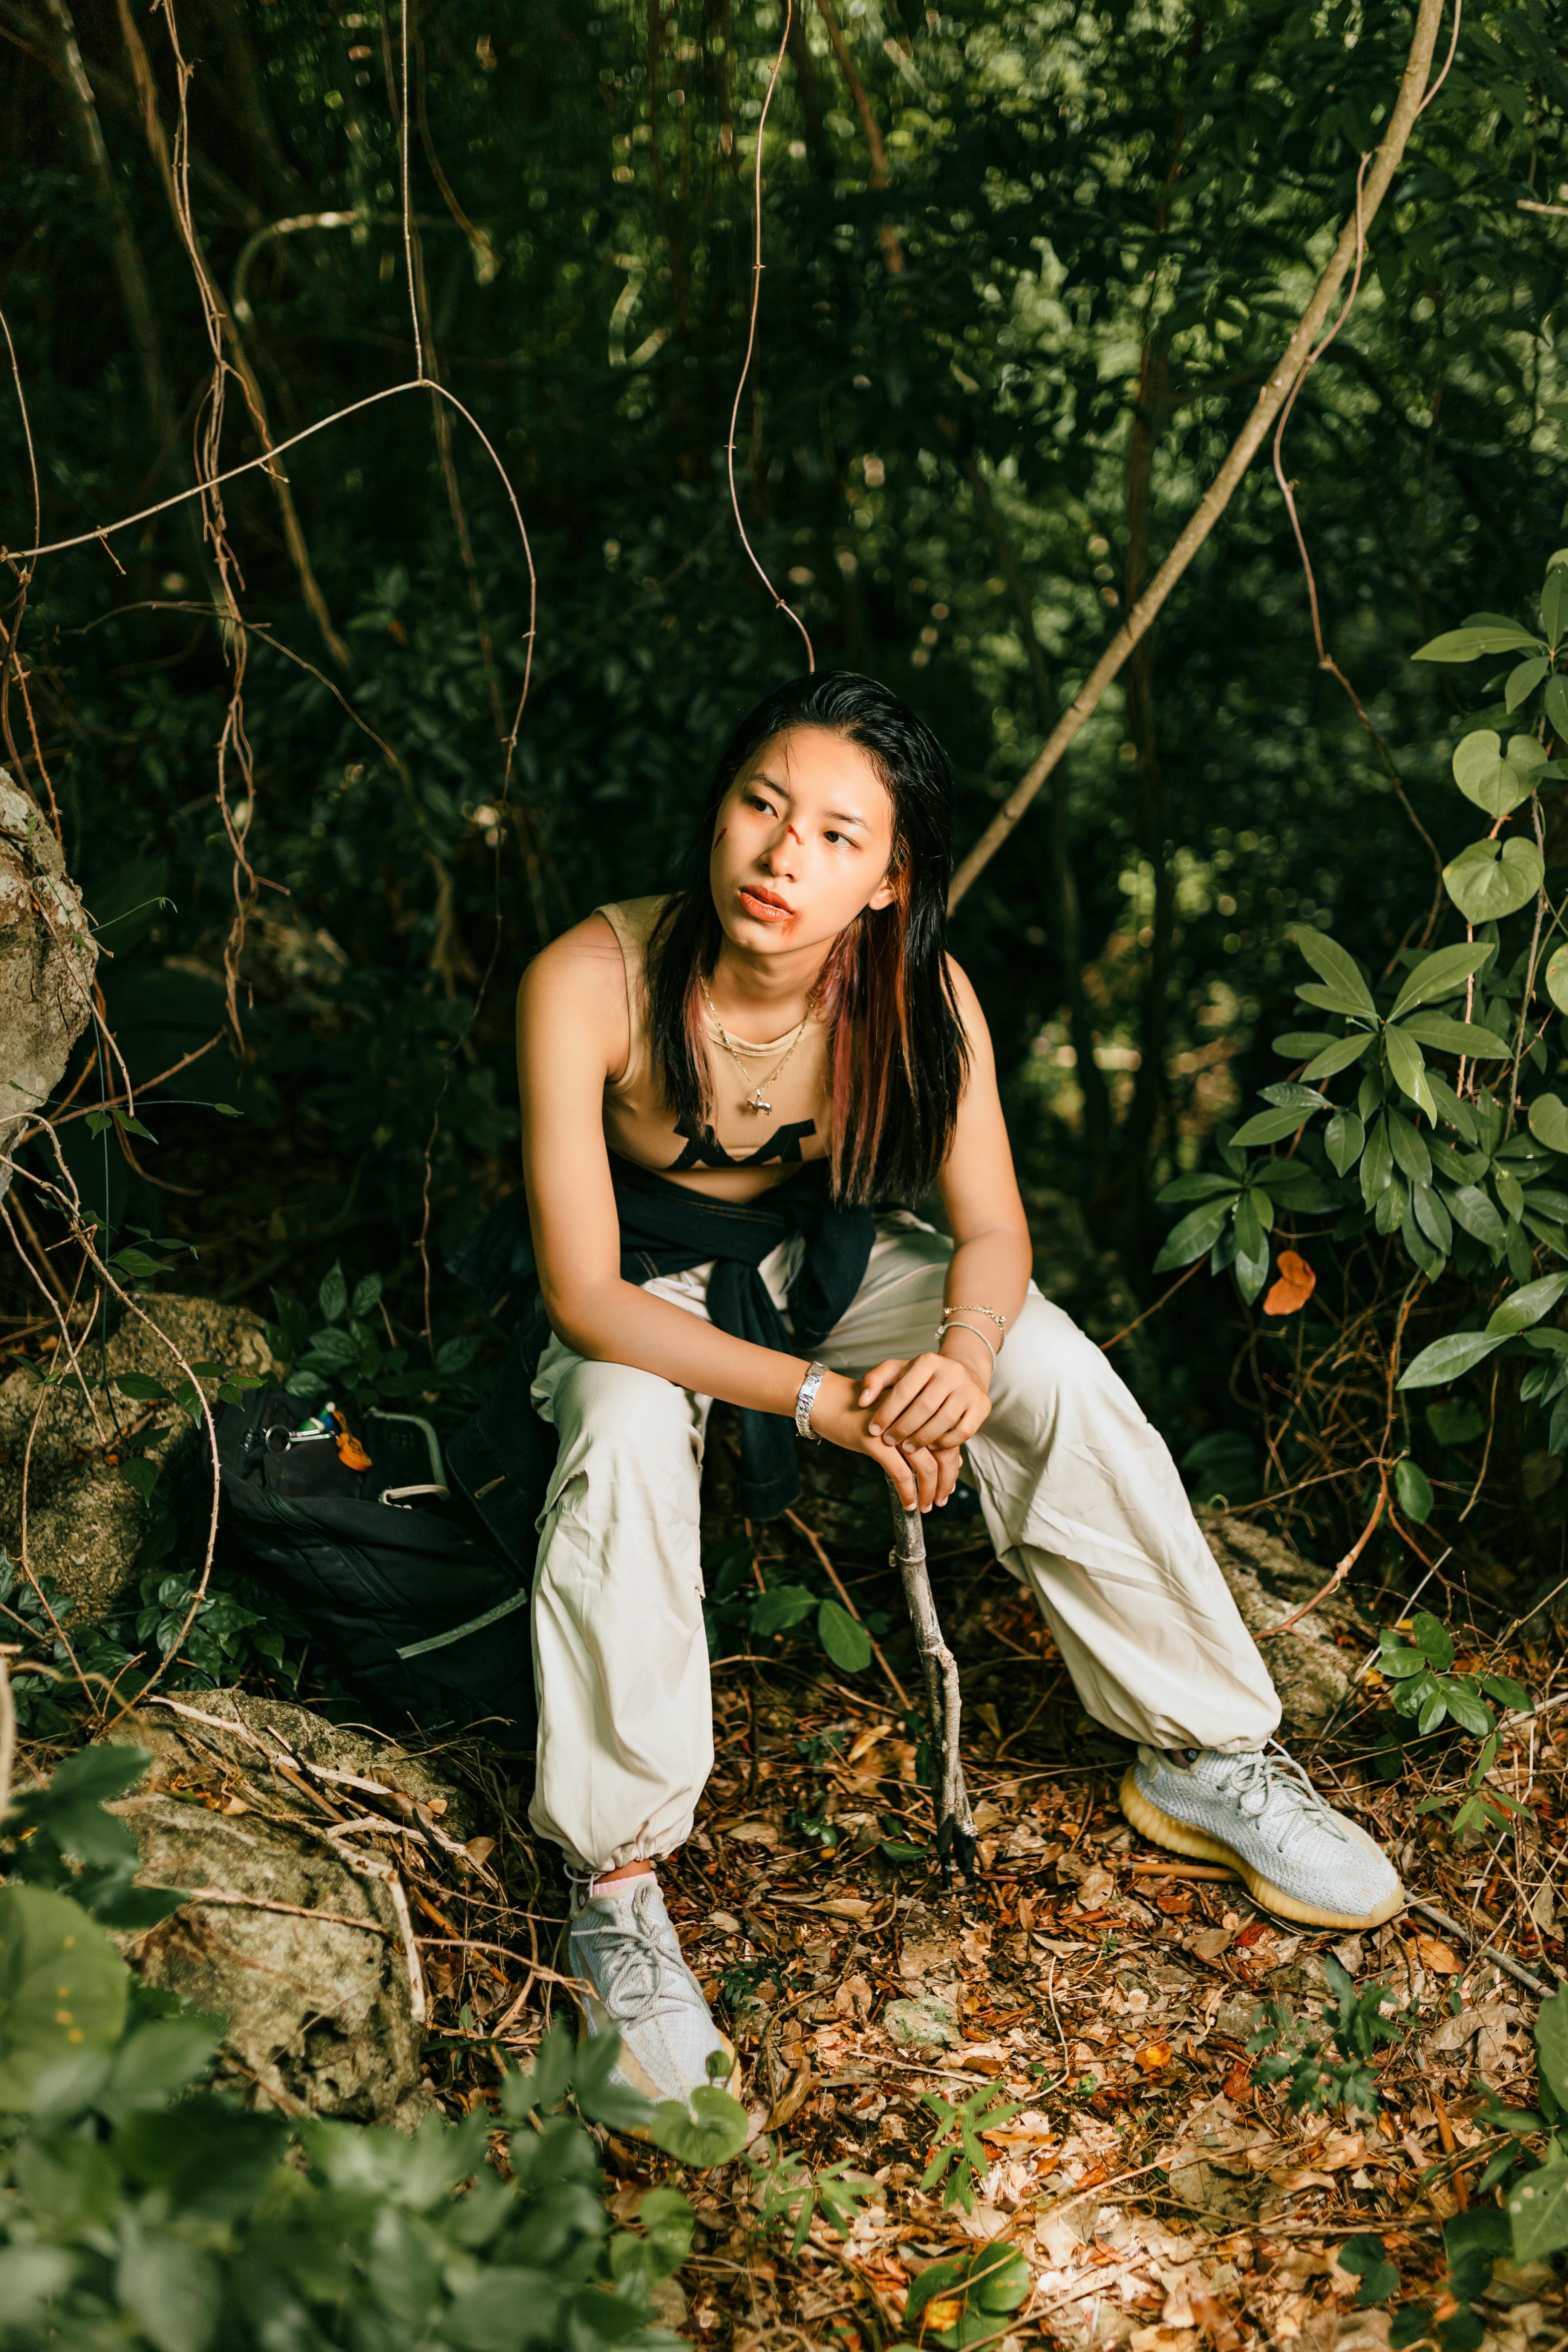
(897,1053)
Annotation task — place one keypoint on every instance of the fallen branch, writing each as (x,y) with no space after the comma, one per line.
(1483,1952)
(1218,497)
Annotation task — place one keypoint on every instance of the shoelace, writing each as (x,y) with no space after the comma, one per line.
(629,1965)
(1261,1776)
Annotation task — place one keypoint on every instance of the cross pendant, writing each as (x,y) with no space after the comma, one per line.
(757,1103)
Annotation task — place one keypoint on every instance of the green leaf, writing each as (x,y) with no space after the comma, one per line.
(142,1476)
(1538,2210)
(1549,1122)
(1554,604)
(1448,1358)
(782,1606)
(1289,1094)
(1454,1036)
(367,1291)
(333,1295)
(1273,1126)
(1469,1207)
(1491,880)
(1195,1187)
(1332,963)
(142,1388)
(63,1988)
(172,2288)
(1409,1068)
(1409,1152)
(1552,2042)
(1496,781)
(1343,1140)
(1377,1161)
(1523,680)
(1298,1041)
(1433,1640)
(1442,973)
(842,1637)
(1414,1489)
(710,2132)
(228,1110)
(1554,702)
(1195,1234)
(1433,1218)
(1469,644)
(1527,1306)
(1557,977)
(1338,1055)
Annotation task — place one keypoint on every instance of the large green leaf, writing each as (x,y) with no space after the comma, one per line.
(173,2288)
(1495,779)
(1343,1140)
(1554,702)
(1538,2210)
(1549,1122)
(1448,1359)
(1557,977)
(711,2131)
(63,1987)
(1524,1307)
(1454,1036)
(1331,964)
(1377,1161)
(1552,2042)
(1469,1207)
(1523,679)
(1409,1152)
(1442,973)
(1491,880)
(1197,1231)
(1469,644)
(1409,1069)
(842,1637)
(1338,1055)
(1272,1125)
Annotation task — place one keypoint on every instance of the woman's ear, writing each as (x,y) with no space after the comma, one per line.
(885,891)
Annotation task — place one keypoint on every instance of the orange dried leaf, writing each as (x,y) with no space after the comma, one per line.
(1152,2056)
(1294,1286)
(1440,1957)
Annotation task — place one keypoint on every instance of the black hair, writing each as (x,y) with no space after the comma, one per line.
(897,1055)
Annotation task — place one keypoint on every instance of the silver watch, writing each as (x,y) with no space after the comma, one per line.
(806,1398)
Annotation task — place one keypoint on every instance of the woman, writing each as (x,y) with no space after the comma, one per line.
(730,1100)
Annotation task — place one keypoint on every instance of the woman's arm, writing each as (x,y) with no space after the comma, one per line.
(941,1397)
(571,1035)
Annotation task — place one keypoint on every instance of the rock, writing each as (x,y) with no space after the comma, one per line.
(922,2022)
(48,962)
(84,1522)
(1268,1580)
(318,2011)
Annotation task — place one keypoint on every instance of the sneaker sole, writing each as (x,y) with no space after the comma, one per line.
(1161,1828)
(594,2019)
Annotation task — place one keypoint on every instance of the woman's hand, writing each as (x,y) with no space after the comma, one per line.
(934,1401)
(923,1474)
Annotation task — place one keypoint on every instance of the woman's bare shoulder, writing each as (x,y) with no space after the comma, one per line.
(578,979)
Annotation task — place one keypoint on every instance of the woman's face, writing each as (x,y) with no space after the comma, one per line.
(802,843)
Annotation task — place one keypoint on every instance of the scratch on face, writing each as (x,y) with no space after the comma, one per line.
(793,836)
(719,836)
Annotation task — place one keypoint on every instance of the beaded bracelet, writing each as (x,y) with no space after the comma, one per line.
(1000,1320)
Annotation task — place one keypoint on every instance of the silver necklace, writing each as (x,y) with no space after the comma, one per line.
(734,1048)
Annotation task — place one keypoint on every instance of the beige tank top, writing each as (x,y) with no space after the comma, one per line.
(790,1125)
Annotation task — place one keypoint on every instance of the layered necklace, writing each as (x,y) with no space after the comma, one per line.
(737,1048)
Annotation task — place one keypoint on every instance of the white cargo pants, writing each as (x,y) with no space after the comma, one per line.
(1081,1501)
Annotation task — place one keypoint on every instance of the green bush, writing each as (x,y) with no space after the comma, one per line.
(140,2208)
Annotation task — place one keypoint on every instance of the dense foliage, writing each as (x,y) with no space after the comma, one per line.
(1027,268)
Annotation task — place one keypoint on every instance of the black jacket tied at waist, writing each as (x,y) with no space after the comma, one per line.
(502,1458)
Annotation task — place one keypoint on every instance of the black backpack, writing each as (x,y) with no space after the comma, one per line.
(353,1518)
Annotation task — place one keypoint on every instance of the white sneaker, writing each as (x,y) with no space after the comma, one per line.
(1262,1815)
(625,1949)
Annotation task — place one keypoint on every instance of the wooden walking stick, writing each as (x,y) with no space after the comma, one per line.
(954,1821)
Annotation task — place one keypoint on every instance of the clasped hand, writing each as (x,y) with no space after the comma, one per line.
(911,1416)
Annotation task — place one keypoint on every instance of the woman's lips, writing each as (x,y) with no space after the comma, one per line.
(765,911)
